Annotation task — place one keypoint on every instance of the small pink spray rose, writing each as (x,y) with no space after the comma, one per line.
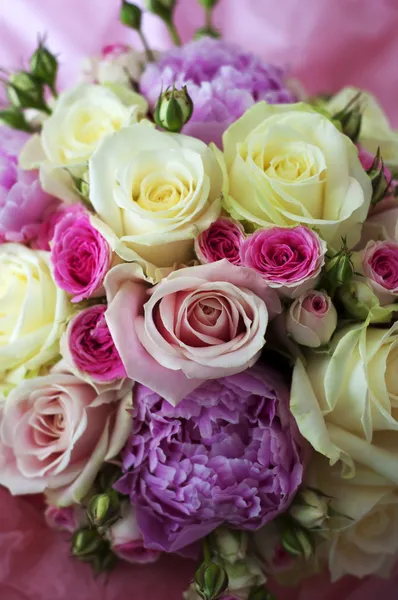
(223,239)
(380,266)
(312,319)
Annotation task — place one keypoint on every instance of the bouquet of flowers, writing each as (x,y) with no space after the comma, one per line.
(198,317)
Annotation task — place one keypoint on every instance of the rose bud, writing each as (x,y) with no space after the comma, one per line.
(380,266)
(131,15)
(231,545)
(104,509)
(211,580)
(297,542)
(64,518)
(126,539)
(312,319)
(173,109)
(26,91)
(86,542)
(44,66)
(338,269)
(80,256)
(310,509)
(379,175)
(223,239)
(289,259)
(359,300)
(349,119)
(244,575)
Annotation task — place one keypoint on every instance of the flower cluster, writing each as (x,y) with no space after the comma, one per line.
(198,342)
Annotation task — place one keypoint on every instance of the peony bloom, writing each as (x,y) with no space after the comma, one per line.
(80,257)
(126,539)
(312,319)
(22,200)
(200,323)
(286,165)
(55,434)
(344,400)
(380,266)
(88,348)
(222,80)
(228,453)
(156,191)
(223,239)
(290,260)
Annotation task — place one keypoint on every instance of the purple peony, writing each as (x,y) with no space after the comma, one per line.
(222,80)
(22,199)
(228,453)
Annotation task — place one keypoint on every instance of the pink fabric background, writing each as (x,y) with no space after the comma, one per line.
(325,43)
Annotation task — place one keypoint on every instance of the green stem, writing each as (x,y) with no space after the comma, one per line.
(148,51)
(206,551)
(173,32)
(208,15)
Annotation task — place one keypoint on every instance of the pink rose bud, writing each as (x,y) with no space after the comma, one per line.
(126,539)
(51,219)
(65,518)
(223,239)
(87,346)
(367,160)
(112,51)
(312,319)
(80,256)
(380,266)
(289,259)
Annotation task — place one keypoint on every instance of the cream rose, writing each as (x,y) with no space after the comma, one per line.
(156,191)
(33,312)
(81,118)
(287,164)
(365,543)
(376,131)
(345,402)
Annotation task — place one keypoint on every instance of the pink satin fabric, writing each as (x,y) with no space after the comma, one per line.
(35,565)
(325,43)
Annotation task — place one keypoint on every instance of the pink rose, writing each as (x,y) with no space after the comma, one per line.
(87,347)
(223,239)
(55,434)
(65,518)
(289,260)
(312,319)
(200,323)
(51,219)
(126,539)
(80,256)
(380,266)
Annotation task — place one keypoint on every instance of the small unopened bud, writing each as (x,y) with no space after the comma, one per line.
(208,4)
(162,8)
(298,542)
(26,91)
(13,117)
(260,593)
(231,545)
(44,66)
(350,118)
(211,581)
(130,15)
(360,302)
(86,542)
(173,109)
(206,31)
(104,509)
(378,177)
(310,510)
(338,269)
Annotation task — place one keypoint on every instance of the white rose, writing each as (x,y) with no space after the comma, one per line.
(82,116)
(364,541)
(376,131)
(33,312)
(287,164)
(345,402)
(312,319)
(156,191)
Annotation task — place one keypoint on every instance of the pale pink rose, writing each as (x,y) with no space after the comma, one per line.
(126,539)
(380,266)
(289,259)
(56,432)
(312,319)
(65,518)
(199,323)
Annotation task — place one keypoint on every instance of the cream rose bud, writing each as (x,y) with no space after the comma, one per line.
(312,319)
(376,131)
(286,165)
(364,539)
(33,312)
(344,401)
(81,117)
(157,191)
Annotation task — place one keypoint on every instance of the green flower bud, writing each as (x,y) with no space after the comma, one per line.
(208,4)
(360,302)
(26,91)
(350,118)
(298,542)
(310,509)
(162,8)
(104,509)
(231,545)
(44,66)
(13,117)
(377,174)
(211,581)
(338,269)
(85,543)
(130,15)
(260,593)
(173,109)
(206,31)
